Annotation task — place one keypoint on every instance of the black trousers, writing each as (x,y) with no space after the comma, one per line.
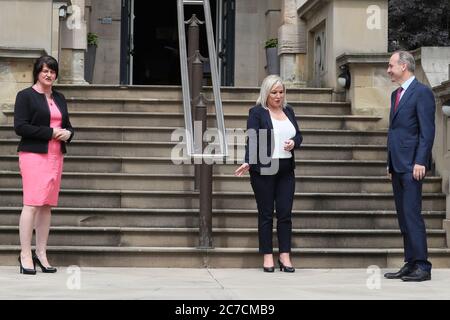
(275,191)
(408,202)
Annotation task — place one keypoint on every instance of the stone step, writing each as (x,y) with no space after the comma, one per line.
(240,106)
(118,133)
(166,257)
(221,218)
(177,150)
(230,237)
(12,197)
(326,184)
(108,164)
(152,119)
(174,92)
(338,220)
(168,182)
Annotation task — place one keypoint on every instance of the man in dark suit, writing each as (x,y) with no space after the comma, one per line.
(410,140)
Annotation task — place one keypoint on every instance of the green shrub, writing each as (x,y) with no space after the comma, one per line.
(271,43)
(92,39)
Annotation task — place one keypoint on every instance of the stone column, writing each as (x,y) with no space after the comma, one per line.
(73,45)
(292,45)
(441,147)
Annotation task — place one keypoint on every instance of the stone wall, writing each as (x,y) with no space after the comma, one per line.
(350,26)
(26,24)
(256,21)
(433,64)
(107,63)
(16,73)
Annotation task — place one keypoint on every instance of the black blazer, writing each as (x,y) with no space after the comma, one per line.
(32,120)
(259,118)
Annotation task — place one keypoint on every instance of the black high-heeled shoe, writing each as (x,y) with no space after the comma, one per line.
(269,269)
(43,268)
(25,270)
(285,268)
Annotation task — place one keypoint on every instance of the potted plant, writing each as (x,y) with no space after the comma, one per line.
(273,61)
(89,56)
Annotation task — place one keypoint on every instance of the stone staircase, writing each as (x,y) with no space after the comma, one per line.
(124,203)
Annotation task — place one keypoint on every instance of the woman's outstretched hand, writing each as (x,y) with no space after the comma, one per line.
(242,169)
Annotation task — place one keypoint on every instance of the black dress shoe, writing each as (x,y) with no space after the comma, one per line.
(43,268)
(285,268)
(269,269)
(417,275)
(405,270)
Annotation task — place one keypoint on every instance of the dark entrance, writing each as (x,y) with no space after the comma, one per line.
(149,54)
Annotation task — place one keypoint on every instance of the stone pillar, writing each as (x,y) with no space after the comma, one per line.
(73,45)
(370,86)
(292,45)
(441,147)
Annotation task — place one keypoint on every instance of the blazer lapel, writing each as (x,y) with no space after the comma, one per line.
(290,116)
(405,97)
(391,111)
(266,118)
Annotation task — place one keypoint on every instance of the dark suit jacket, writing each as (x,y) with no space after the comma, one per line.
(32,120)
(411,129)
(259,118)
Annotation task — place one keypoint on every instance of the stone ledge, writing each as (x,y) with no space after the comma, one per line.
(443,91)
(307,10)
(21,53)
(363,58)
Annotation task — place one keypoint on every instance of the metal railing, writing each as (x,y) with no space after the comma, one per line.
(187,101)
(191,79)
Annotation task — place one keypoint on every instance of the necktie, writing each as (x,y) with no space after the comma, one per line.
(397,98)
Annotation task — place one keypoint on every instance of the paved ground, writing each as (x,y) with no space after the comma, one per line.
(217,284)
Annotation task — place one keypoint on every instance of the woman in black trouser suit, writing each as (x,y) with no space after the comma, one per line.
(273,134)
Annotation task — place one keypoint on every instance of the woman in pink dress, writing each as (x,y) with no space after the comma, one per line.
(42,121)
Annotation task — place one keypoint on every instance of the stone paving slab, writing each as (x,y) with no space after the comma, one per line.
(76,283)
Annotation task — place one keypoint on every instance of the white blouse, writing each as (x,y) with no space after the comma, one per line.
(282,130)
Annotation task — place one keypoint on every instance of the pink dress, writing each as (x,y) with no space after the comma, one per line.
(41,172)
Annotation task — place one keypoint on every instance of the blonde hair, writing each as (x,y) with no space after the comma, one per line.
(268,83)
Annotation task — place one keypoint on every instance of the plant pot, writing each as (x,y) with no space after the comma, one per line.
(89,62)
(273,61)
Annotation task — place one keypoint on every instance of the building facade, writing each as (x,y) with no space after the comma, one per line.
(138,40)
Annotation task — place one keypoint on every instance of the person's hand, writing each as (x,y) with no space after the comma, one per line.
(242,169)
(61,134)
(56,132)
(389,175)
(289,145)
(419,172)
